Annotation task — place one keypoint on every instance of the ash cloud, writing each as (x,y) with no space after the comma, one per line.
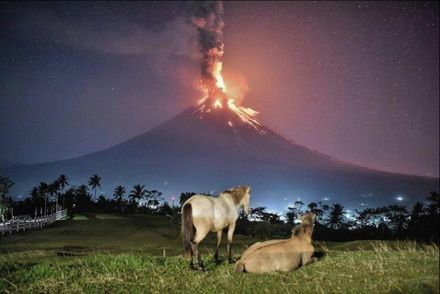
(207,17)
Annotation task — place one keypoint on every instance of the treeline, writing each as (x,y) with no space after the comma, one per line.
(334,222)
(58,194)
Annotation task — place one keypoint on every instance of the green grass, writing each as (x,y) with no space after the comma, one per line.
(115,253)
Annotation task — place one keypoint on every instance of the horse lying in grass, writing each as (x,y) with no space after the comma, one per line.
(204,214)
(281,255)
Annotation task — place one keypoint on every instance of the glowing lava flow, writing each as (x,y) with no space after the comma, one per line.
(217,98)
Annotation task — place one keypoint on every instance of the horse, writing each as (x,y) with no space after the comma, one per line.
(281,255)
(204,214)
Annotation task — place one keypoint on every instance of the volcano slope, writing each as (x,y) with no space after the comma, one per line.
(207,151)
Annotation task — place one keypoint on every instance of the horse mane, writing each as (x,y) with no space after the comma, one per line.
(236,193)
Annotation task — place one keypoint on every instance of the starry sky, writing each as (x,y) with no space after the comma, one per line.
(356,80)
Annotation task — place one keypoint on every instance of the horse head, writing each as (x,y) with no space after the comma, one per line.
(241,196)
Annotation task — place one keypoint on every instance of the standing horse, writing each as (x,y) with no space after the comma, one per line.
(212,214)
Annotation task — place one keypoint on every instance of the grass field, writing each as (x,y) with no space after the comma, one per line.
(140,254)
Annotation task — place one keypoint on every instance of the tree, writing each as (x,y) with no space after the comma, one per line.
(5,186)
(95,182)
(82,200)
(318,209)
(433,215)
(119,193)
(153,198)
(43,190)
(185,196)
(258,213)
(396,216)
(137,194)
(102,203)
(3,211)
(336,216)
(62,180)
(53,190)
(294,212)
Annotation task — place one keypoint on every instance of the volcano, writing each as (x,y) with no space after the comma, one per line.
(218,143)
(208,149)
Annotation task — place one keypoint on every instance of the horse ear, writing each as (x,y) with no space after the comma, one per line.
(248,189)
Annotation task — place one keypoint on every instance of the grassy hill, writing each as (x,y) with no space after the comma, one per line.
(138,253)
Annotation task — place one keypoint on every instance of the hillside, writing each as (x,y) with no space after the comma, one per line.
(210,151)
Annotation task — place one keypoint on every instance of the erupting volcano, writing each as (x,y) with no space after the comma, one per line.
(219,143)
(208,18)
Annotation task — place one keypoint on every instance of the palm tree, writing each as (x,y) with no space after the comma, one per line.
(119,193)
(62,180)
(95,182)
(137,193)
(336,216)
(43,189)
(53,190)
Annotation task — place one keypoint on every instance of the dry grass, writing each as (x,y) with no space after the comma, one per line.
(351,267)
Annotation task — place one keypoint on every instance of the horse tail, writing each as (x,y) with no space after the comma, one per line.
(239,267)
(187,228)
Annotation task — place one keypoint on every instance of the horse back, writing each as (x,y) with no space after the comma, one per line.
(212,211)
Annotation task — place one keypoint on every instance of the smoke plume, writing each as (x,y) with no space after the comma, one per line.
(207,17)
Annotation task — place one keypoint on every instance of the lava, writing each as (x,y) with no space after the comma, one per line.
(207,17)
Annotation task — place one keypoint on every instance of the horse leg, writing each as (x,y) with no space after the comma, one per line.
(231,229)
(200,235)
(219,240)
(193,251)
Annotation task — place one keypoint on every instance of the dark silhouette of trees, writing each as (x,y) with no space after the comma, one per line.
(294,212)
(63,182)
(95,182)
(119,193)
(5,186)
(43,190)
(185,196)
(318,209)
(336,216)
(136,194)
(432,212)
(82,200)
(421,222)
(53,190)
(5,201)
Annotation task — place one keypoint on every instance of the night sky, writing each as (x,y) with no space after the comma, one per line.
(356,80)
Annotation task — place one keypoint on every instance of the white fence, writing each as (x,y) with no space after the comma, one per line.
(18,224)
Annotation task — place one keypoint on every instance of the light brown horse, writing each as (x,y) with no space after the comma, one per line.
(204,214)
(281,255)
